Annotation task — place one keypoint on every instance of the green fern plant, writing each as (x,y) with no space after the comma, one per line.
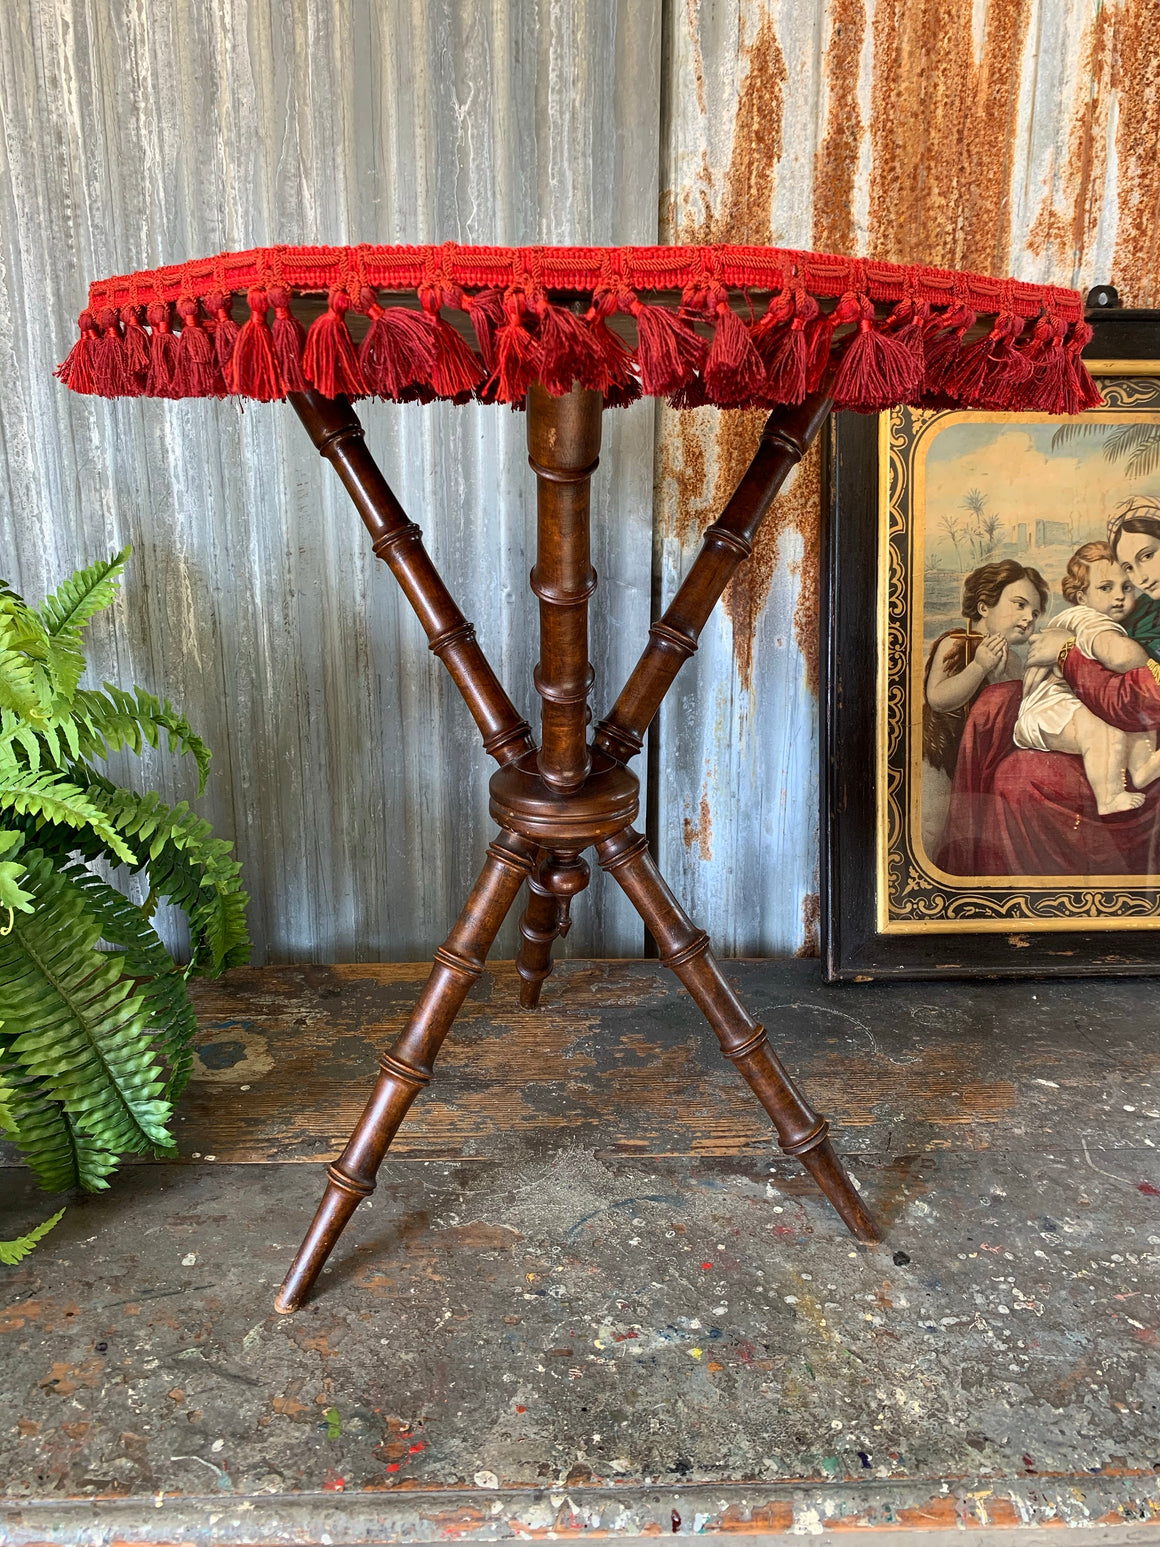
(96,1026)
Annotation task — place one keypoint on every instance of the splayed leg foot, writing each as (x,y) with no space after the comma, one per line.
(684,948)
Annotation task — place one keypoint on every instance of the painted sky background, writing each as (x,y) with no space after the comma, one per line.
(1025,480)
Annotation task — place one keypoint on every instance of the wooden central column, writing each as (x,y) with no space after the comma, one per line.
(563,449)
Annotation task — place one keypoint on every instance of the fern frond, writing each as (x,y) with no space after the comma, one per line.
(25,684)
(69,608)
(111,719)
(11,894)
(206,886)
(12,1252)
(160,982)
(7,1120)
(52,799)
(98,1029)
(28,741)
(188,866)
(59,1153)
(73,1021)
(22,627)
(85,593)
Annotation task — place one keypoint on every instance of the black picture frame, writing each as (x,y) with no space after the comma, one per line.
(854,947)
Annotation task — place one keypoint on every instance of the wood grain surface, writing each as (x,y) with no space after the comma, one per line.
(619,1059)
(591,1298)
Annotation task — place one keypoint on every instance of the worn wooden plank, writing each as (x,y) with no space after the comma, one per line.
(552,1336)
(619,1059)
(347,770)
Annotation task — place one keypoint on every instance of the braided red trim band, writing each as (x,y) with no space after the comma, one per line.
(701,349)
(583,269)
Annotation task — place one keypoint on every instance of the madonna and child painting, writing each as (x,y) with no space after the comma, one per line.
(1021,707)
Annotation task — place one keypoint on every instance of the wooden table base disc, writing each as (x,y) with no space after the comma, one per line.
(570,794)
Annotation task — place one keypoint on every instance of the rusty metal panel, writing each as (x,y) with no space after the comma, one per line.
(346,768)
(1005,135)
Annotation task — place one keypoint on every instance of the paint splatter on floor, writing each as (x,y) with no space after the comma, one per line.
(580,1319)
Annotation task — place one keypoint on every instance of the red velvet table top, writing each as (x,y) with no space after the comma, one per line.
(738,327)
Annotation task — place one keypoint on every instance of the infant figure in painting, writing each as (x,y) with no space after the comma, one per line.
(1052,719)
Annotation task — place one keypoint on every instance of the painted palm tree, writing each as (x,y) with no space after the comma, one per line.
(984,534)
(1136,445)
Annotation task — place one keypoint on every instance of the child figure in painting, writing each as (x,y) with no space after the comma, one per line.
(1001,603)
(1052,719)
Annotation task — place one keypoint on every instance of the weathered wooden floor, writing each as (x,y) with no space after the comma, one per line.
(588,1297)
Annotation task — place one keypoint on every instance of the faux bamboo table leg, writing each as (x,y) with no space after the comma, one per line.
(563,452)
(686,950)
(727,543)
(407,1067)
(554,803)
(334,427)
(546,919)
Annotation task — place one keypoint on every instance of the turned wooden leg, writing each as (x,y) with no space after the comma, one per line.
(406,1068)
(547,917)
(727,543)
(685,949)
(334,428)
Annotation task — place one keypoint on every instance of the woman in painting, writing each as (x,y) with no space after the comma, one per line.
(1135,537)
(1001,603)
(1019,812)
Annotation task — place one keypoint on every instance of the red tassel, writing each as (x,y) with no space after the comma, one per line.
(986,372)
(76,370)
(768,331)
(225,332)
(517,357)
(565,346)
(397,355)
(668,352)
(964,378)
(197,373)
(1008,371)
(944,347)
(734,372)
(691,395)
(787,355)
(136,349)
(1048,366)
(908,324)
(608,367)
(253,369)
(289,337)
(620,394)
(329,361)
(486,312)
(457,371)
(162,351)
(820,337)
(420,392)
(1081,390)
(875,370)
(109,374)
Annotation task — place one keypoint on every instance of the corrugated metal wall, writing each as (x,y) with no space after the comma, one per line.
(1001,134)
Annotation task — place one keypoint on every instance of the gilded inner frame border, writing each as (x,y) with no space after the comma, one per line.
(913,894)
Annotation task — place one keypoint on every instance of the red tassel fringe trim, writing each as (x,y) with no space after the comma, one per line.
(878,335)
(198,374)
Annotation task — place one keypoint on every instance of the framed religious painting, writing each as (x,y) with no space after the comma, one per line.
(991,682)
